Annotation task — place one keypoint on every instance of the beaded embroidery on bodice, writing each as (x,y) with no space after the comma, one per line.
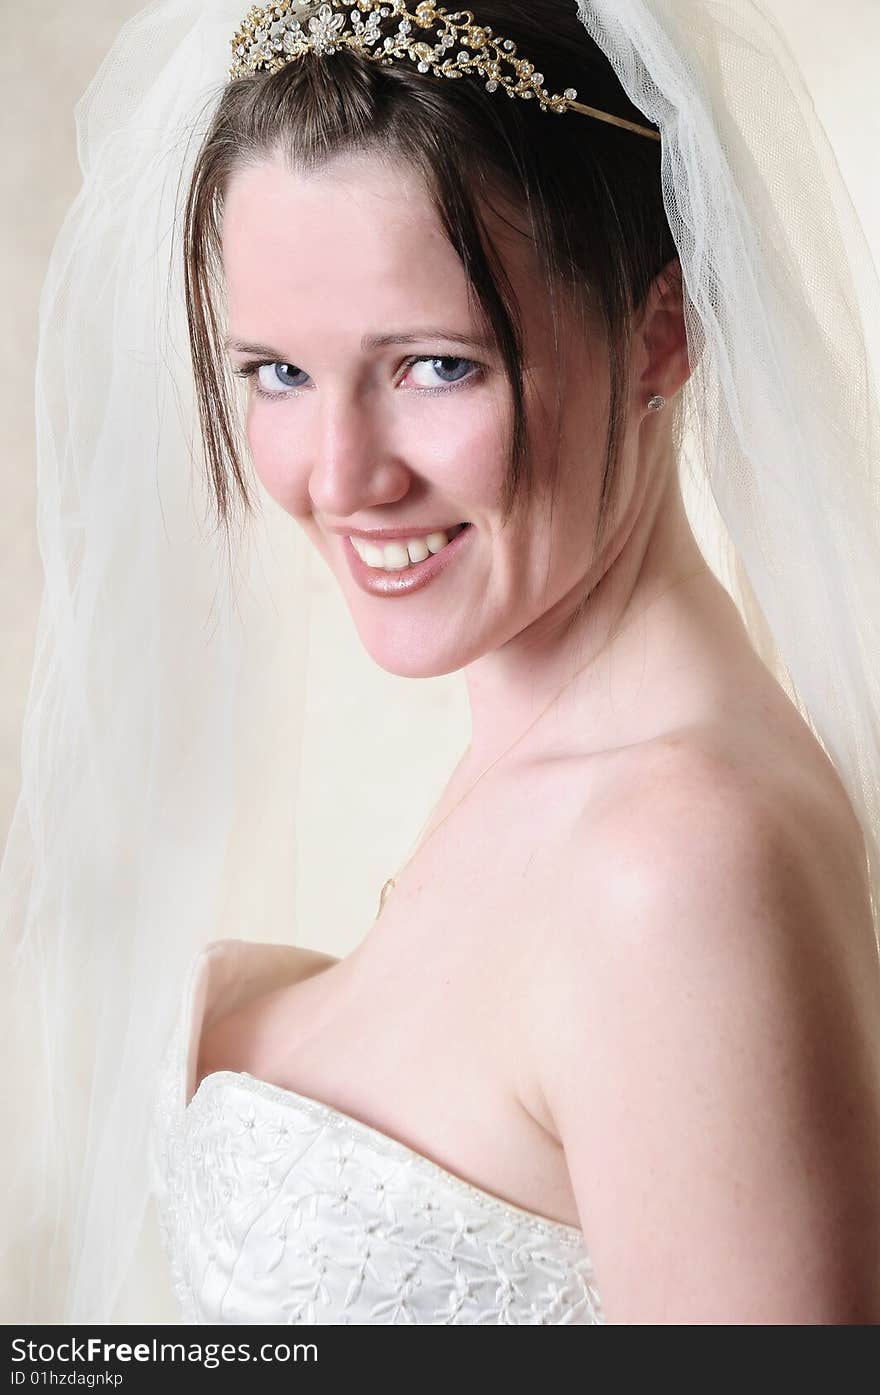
(276,1208)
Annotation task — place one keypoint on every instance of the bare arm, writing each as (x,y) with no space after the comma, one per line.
(709,1043)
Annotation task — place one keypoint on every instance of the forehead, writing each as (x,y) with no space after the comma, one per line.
(358,241)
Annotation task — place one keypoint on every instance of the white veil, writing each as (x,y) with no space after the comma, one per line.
(161,750)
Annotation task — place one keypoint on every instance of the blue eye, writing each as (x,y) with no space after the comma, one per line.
(279,375)
(270,379)
(273,379)
(445,359)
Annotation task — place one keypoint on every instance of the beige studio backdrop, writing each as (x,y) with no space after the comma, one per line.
(49,54)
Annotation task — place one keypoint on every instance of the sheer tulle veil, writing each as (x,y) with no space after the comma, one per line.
(162,750)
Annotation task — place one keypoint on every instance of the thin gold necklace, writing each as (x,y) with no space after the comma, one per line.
(391,882)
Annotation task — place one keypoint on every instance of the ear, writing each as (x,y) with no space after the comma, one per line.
(660,339)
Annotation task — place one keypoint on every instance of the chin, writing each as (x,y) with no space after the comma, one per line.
(427,670)
(408,653)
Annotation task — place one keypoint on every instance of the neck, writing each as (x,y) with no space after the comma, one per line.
(654,556)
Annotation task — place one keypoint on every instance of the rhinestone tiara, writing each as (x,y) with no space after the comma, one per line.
(271,36)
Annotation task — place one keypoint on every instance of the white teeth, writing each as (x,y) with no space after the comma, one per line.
(418,549)
(396,556)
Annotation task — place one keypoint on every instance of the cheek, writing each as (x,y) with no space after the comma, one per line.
(463,454)
(458,449)
(467,448)
(277,461)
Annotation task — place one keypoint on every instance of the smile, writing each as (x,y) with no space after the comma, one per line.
(408,576)
(397,555)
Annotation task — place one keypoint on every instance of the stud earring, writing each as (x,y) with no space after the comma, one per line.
(657,404)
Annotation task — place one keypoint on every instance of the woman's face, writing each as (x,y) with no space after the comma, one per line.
(376,403)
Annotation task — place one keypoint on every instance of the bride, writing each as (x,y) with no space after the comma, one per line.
(609,1050)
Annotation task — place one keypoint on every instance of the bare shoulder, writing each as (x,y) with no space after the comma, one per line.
(701,818)
(707,1032)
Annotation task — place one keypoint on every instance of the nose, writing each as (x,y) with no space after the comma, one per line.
(354,463)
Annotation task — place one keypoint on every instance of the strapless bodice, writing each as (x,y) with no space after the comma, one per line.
(277,1208)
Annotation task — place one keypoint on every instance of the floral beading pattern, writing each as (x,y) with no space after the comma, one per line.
(275,1208)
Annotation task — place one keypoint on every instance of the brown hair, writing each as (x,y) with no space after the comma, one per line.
(591,192)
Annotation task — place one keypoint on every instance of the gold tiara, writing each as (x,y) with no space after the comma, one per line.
(271,36)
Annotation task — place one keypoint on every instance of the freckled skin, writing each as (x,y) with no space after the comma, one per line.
(468,964)
(362,443)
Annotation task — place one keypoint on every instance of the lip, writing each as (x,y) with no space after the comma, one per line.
(404,583)
(380,535)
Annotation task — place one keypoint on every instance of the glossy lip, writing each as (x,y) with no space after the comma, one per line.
(377,535)
(403,583)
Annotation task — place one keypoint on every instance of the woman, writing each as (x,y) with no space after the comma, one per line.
(609,1052)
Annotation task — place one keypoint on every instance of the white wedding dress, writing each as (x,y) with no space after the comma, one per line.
(276,1208)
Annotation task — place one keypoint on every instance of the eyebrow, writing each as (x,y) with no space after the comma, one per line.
(372,341)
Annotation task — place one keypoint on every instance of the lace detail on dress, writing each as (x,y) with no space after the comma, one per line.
(276,1208)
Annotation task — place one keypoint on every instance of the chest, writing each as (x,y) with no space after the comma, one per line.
(423,1032)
